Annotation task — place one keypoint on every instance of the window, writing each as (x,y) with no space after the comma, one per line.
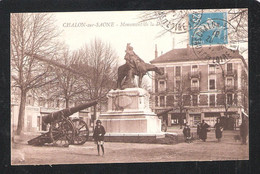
(194,68)
(211,84)
(212,100)
(194,83)
(156,101)
(41,101)
(39,123)
(229,99)
(196,118)
(212,68)
(177,99)
(162,101)
(50,103)
(161,85)
(161,69)
(229,67)
(178,84)
(195,100)
(178,71)
(30,100)
(169,100)
(41,126)
(229,81)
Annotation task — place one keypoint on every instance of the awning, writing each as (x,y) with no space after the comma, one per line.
(212,114)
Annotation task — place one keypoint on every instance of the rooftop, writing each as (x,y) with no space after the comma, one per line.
(194,54)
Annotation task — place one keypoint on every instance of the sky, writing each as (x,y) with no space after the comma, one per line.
(81,28)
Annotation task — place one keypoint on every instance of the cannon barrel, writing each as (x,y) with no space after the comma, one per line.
(66,112)
(164,112)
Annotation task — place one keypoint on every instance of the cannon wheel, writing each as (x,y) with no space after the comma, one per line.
(62,132)
(81,131)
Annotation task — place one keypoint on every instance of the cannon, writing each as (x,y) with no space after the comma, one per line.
(63,130)
(164,126)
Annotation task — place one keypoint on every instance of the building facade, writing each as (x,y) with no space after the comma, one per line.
(36,109)
(201,88)
(39,104)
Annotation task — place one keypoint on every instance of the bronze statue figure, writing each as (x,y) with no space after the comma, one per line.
(134,66)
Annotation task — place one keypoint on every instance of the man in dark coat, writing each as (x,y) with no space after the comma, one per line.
(219,130)
(243,131)
(98,136)
(204,130)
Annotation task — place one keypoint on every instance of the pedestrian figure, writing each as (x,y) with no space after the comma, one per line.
(98,136)
(198,130)
(218,130)
(181,121)
(204,130)
(186,133)
(243,132)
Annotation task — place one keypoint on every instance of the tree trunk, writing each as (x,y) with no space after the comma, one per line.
(181,119)
(20,126)
(67,102)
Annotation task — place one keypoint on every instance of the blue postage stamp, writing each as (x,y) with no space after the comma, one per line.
(208,28)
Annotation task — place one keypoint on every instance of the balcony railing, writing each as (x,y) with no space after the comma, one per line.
(164,76)
(230,88)
(177,74)
(212,72)
(231,73)
(195,89)
(194,74)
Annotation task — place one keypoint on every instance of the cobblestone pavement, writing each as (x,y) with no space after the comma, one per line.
(227,149)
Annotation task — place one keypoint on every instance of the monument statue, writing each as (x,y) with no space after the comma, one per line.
(134,66)
(129,113)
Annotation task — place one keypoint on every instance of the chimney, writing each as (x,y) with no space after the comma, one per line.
(156,52)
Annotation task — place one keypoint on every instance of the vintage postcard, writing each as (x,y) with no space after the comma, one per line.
(129,86)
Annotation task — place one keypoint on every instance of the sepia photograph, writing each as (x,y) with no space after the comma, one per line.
(129,86)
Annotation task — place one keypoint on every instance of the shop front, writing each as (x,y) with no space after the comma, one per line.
(195,119)
(178,118)
(229,120)
(211,118)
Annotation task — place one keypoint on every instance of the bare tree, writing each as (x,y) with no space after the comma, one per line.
(35,34)
(229,89)
(99,62)
(182,97)
(68,84)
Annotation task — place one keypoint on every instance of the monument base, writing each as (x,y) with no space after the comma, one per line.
(131,124)
(129,112)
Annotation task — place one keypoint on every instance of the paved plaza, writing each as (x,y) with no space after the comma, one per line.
(227,149)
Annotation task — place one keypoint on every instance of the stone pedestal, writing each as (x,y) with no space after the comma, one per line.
(129,112)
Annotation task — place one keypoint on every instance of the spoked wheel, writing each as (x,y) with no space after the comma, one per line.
(62,133)
(81,131)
